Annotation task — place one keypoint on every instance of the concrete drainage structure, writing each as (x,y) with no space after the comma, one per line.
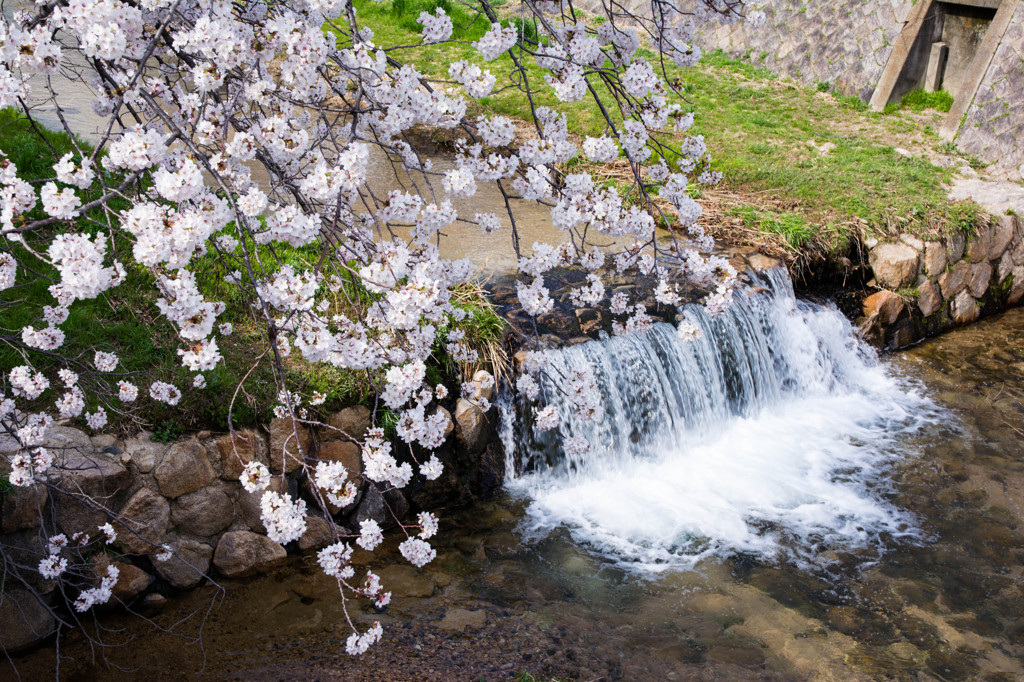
(879,50)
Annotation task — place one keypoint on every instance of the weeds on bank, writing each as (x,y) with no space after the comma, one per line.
(919,100)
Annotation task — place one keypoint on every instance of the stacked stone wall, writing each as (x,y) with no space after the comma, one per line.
(926,287)
(187,496)
(845,44)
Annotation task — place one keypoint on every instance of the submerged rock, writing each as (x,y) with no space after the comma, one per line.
(457,620)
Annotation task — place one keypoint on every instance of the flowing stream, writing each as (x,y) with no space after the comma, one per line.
(770,502)
(769,434)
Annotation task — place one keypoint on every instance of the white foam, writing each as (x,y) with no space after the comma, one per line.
(795,470)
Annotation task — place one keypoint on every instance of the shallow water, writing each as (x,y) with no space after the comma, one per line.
(947,605)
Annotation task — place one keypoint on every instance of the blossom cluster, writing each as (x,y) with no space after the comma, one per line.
(243,157)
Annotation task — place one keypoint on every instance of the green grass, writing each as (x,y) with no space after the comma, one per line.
(919,100)
(952,150)
(791,226)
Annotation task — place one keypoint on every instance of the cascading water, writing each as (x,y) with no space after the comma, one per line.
(767,435)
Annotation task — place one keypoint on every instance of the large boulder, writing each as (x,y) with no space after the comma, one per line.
(382,507)
(349,454)
(352,423)
(238,449)
(885,304)
(483,385)
(242,553)
(143,522)
(285,450)
(77,514)
(1017,287)
(318,534)
(955,245)
(131,581)
(204,512)
(184,469)
(144,452)
(934,259)
(449,423)
(978,247)
(89,483)
(991,241)
(1002,234)
(247,504)
(66,439)
(964,308)
(96,474)
(954,281)
(491,472)
(981,274)
(24,620)
(472,429)
(929,299)
(894,265)
(187,566)
(22,507)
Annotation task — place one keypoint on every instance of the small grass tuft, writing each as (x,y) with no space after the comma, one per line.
(791,226)
(919,100)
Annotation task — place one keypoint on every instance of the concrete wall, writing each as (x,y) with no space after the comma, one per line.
(839,42)
(847,45)
(963,29)
(993,128)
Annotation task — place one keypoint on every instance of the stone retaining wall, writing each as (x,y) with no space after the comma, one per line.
(187,495)
(845,44)
(927,287)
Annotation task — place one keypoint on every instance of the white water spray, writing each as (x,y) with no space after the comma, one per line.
(769,435)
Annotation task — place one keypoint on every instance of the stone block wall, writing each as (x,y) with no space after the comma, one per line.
(187,496)
(993,128)
(845,44)
(928,287)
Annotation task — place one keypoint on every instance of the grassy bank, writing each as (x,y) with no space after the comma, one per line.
(789,148)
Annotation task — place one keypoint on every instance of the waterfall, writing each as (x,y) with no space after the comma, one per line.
(770,434)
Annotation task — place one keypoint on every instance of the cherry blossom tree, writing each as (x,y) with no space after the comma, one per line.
(236,131)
